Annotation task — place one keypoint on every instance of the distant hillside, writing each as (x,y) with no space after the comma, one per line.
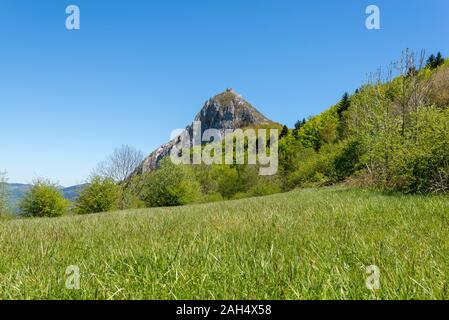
(18,190)
(72,193)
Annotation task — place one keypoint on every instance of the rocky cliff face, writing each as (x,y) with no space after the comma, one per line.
(225,111)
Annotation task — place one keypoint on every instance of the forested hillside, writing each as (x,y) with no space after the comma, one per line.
(391,134)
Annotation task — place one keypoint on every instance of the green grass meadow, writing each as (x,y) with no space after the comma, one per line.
(306,244)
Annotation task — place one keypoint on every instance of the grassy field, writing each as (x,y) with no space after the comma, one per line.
(309,244)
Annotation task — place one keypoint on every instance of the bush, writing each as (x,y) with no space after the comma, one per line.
(312,167)
(171,185)
(44,199)
(346,160)
(420,163)
(129,199)
(101,195)
(207,177)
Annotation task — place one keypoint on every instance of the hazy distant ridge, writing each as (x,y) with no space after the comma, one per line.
(18,190)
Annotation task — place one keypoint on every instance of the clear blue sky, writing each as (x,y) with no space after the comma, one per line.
(139,69)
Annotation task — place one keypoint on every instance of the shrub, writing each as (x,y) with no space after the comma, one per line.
(101,195)
(43,199)
(420,162)
(207,177)
(439,91)
(346,160)
(129,199)
(171,185)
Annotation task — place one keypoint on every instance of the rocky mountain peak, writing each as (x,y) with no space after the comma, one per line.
(228,110)
(225,111)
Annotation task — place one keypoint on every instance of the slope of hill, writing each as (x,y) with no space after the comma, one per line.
(16,192)
(305,244)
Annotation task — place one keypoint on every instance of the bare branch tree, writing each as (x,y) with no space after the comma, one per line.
(415,87)
(120,164)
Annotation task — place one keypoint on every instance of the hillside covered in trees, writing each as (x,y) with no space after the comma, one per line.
(391,134)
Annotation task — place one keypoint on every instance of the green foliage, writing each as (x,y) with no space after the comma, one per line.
(435,61)
(171,185)
(319,130)
(402,138)
(44,199)
(347,159)
(388,134)
(212,197)
(284,132)
(439,90)
(235,179)
(265,186)
(207,177)
(342,112)
(298,125)
(101,195)
(129,197)
(420,162)
(316,168)
(344,105)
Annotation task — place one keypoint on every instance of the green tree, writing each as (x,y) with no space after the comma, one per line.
(431,61)
(171,185)
(342,111)
(284,132)
(435,61)
(43,199)
(298,125)
(101,195)
(344,105)
(439,60)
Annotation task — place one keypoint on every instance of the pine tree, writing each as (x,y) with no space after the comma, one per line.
(300,123)
(439,60)
(284,132)
(344,105)
(431,61)
(435,61)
